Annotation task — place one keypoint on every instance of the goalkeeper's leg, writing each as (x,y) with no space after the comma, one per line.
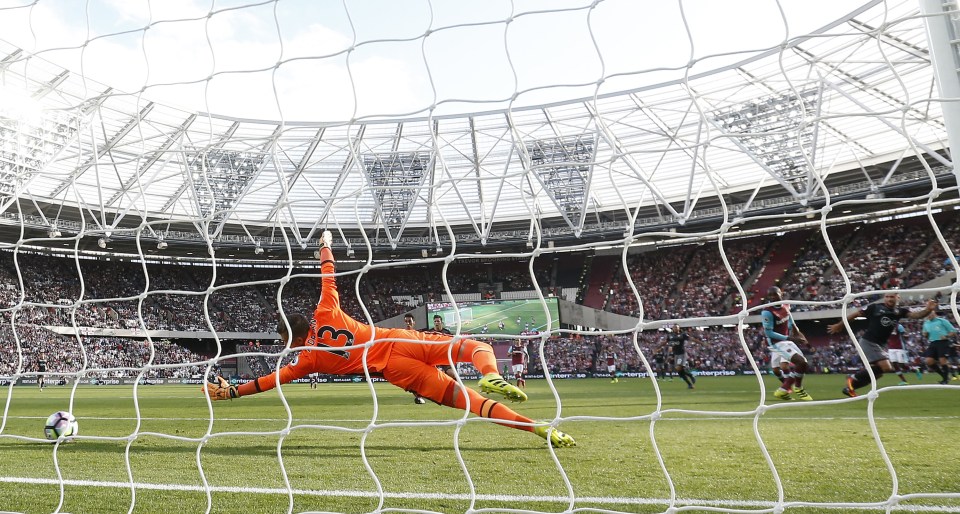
(481,355)
(407,371)
(483,358)
(487,408)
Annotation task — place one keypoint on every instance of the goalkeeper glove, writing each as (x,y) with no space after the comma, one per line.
(326,241)
(221,390)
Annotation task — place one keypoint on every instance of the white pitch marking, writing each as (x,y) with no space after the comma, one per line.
(443,496)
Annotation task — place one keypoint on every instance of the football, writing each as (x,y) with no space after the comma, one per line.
(61,424)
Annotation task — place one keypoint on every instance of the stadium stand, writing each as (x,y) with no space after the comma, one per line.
(674,282)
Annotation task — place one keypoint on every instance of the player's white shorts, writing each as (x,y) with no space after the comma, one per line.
(775,360)
(783,351)
(679,360)
(611,368)
(517,369)
(900,356)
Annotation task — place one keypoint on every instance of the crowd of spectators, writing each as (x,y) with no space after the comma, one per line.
(672,282)
(692,281)
(877,258)
(890,255)
(713,349)
(98,357)
(707,285)
(655,275)
(720,350)
(262,365)
(808,273)
(935,262)
(686,281)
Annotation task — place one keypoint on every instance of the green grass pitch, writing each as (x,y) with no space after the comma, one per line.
(823,451)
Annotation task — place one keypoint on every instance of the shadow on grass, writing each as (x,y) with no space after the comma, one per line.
(333,451)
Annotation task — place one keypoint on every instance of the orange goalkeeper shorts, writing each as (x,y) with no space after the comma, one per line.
(413,366)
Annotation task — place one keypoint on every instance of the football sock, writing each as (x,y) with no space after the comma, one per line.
(862,377)
(798,380)
(943,373)
(787,383)
(777,372)
(486,407)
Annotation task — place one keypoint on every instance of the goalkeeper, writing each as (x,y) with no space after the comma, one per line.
(328,340)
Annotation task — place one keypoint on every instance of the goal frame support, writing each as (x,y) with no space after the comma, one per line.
(944,44)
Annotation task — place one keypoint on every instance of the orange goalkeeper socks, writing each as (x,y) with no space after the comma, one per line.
(487,408)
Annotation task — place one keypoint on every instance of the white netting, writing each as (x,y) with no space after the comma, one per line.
(167,169)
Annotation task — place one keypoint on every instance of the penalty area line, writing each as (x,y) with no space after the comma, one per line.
(604,500)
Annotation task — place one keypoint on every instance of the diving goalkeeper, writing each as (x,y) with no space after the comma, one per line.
(409,365)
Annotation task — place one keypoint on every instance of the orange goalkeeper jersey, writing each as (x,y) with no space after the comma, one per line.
(335,335)
(333,328)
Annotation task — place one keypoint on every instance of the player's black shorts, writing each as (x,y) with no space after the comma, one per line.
(938,349)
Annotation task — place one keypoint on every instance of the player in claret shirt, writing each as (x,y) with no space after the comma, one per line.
(330,343)
(611,359)
(898,353)
(782,336)
(518,361)
(882,317)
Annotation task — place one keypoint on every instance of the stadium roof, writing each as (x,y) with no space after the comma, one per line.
(853,105)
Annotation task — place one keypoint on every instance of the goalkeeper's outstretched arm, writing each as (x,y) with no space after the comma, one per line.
(329,297)
(299,327)
(220,389)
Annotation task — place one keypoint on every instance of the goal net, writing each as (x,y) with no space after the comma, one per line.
(625,171)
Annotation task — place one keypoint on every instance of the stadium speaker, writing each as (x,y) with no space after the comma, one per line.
(102,242)
(258,250)
(54,232)
(161,245)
